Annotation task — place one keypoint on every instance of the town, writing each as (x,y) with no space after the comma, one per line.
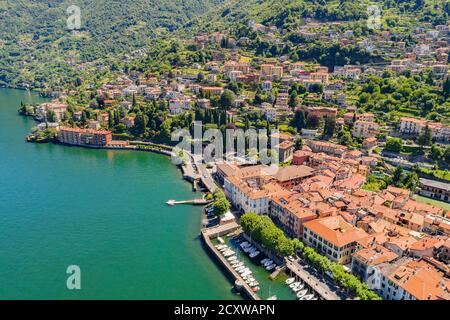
(364,148)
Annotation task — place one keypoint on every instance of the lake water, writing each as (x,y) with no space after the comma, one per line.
(101,210)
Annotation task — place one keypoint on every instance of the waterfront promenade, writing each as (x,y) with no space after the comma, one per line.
(323,287)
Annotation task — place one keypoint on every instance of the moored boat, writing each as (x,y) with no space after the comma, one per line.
(290,281)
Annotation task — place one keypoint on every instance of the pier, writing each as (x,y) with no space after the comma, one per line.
(215,232)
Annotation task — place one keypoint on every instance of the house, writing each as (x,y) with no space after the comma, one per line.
(408,279)
(289,212)
(327,147)
(285,151)
(365,129)
(365,264)
(291,176)
(333,237)
(434,189)
(369,143)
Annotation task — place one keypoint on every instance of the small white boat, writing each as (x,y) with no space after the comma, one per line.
(298,288)
(308,297)
(254,254)
(302,293)
(290,281)
(254,284)
(236,266)
(271,267)
(238,269)
(263,261)
(232,258)
(245,245)
(273,298)
(268,263)
(221,240)
(229,254)
(244,270)
(295,284)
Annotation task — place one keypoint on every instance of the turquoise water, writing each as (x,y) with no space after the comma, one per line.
(101,210)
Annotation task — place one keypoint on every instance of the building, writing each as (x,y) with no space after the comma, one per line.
(84,137)
(57,107)
(365,129)
(365,264)
(415,127)
(285,151)
(435,189)
(333,237)
(408,279)
(327,147)
(251,190)
(289,212)
(291,176)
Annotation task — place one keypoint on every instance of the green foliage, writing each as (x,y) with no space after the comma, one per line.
(394,145)
(263,230)
(348,281)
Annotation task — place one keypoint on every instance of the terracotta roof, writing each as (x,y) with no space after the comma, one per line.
(335,230)
(293,172)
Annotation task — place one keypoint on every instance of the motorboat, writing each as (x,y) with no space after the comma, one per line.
(246,273)
(256,289)
(238,269)
(308,297)
(238,265)
(244,270)
(298,288)
(232,258)
(302,293)
(254,284)
(290,281)
(268,263)
(263,261)
(295,284)
(271,267)
(273,298)
(229,254)
(254,254)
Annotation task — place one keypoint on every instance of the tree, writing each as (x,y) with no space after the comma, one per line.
(227,99)
(345,137)
(330,126)
(447,155)
(426,138)
(397,177)
(140,123)
(293,99)
(221,206)
(446,88)
(436,153)
(312,121)
(50,115)
(299,120)
(394,145)
(298,144)
(200,77)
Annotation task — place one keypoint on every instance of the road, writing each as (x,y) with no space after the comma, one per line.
(319,283)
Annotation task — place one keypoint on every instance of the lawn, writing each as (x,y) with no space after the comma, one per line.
(436,203)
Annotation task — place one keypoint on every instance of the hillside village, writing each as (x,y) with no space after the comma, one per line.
(354,179)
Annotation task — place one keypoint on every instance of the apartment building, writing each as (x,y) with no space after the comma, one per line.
(365,129)
(290,213)
(86,137)
(333,237)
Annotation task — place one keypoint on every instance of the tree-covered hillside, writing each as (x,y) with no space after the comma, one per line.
(35,42)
